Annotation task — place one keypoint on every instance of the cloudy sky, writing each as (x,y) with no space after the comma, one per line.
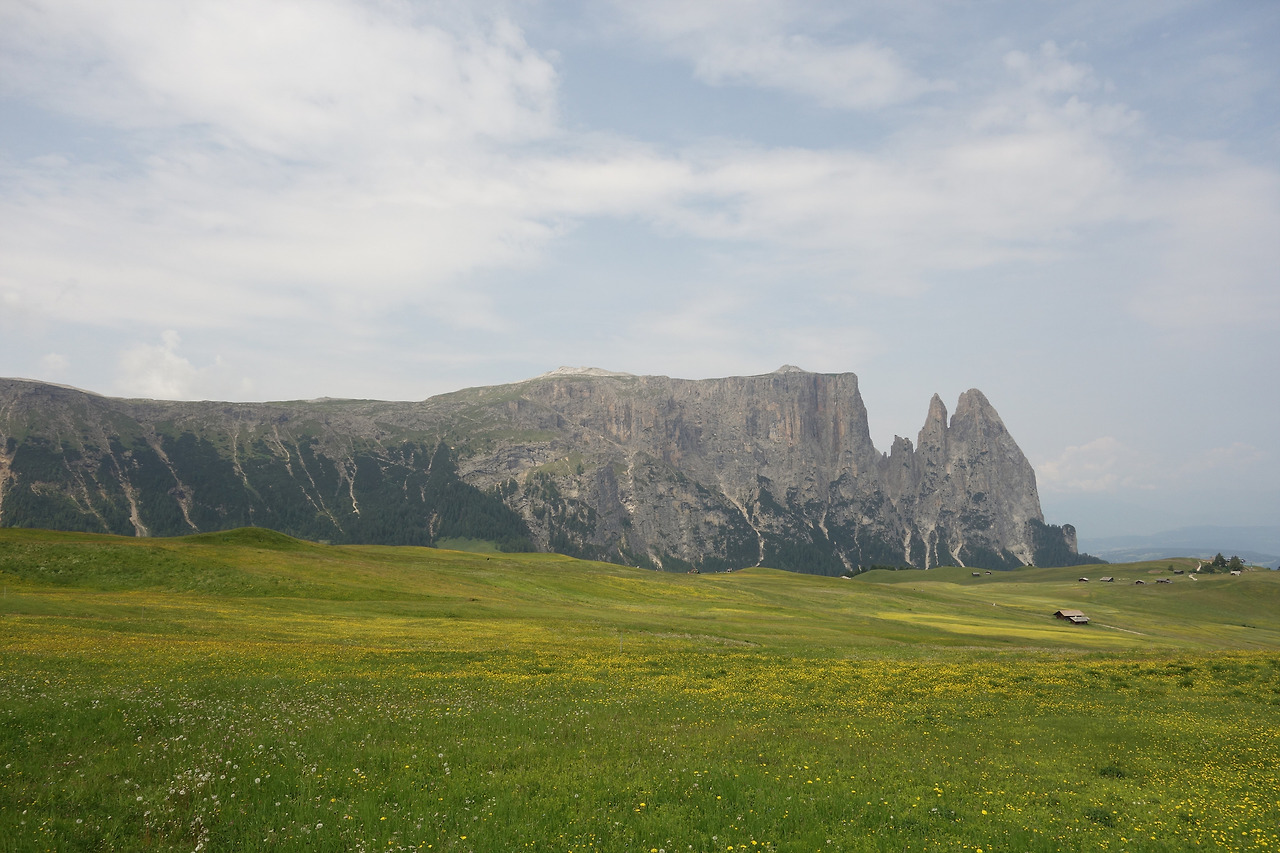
(1072,206)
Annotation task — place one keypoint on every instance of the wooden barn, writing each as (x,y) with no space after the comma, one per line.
(1076,617)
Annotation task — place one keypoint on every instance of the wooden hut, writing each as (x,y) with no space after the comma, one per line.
(1076,617)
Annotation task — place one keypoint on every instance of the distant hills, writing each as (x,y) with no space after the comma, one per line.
(775,470)
(1260,545)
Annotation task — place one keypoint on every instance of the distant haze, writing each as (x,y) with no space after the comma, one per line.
(1259,545)
(1072,206)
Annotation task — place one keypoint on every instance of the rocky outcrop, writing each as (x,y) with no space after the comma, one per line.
(969,489)
(776,470)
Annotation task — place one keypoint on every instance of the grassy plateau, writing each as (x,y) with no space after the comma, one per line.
(247,691)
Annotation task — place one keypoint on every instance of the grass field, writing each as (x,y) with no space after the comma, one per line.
(248,691)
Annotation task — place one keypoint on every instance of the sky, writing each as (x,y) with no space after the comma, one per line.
(1074,207)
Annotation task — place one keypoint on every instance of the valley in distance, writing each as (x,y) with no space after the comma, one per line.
(172,678)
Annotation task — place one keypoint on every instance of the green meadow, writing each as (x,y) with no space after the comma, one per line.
(247,691)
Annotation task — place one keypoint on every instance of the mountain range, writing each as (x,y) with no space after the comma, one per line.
(777,469)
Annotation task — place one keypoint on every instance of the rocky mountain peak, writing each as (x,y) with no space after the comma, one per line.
(581,371)
(974,411)
(934,432)
(777,469)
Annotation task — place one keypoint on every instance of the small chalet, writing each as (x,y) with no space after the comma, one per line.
(1076,617)
(977,574)
(1139,583)
(1164,580)
(1235,573)
(1107,580)
(1084,580)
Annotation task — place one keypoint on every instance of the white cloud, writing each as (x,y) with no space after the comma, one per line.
(317,162)
(1108,465)
(148,370)
(54,365)
(288,77)
(1233,460)
(1216,228)
(995,186)
(865,75)
(11,300)
(1102,465)
(327,163)
(756,44)
(1051,72)
(162,371)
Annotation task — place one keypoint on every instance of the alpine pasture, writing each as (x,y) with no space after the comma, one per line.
(247,691)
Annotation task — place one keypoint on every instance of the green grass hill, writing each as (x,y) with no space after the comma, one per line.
(946,606)
(246,690)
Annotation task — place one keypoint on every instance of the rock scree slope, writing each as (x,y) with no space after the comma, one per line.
(776,470)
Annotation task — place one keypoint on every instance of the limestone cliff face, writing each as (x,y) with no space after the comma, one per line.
(723,472)
(772,470)
(967,486)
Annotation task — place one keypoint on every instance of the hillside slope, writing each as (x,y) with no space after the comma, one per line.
(256,578)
